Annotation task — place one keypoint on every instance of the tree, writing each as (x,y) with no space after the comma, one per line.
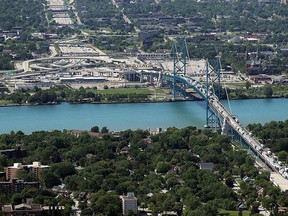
(3,160)
(63,169)
(104,130)
(268,91)
(229,182)
(95,129)
(282,156)
(163,167)
(107,204)
(86,212)
(254,208)
(16,199)
(50,179)
(247,85)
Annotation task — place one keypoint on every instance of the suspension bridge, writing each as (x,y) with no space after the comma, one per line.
(218,117)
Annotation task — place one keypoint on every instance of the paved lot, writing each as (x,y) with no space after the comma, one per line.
(61,19)
(278,180)
(66,49)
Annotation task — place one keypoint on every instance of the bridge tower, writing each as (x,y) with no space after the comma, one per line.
(179,52)
(213,72)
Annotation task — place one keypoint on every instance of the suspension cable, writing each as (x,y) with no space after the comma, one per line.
(225,87)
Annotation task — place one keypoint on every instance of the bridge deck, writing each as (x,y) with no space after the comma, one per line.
(280,172)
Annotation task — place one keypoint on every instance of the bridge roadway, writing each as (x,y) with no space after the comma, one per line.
(279,174)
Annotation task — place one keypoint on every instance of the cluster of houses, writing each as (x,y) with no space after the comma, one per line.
(13,34)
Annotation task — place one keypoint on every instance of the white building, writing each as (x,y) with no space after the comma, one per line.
(129,203)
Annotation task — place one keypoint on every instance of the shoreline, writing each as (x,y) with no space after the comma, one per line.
(75,103)
(119,102)
(160,101)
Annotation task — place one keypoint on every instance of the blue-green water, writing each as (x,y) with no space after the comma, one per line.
(124,116)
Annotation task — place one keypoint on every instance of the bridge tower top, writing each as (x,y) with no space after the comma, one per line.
(179,53)
(213,74)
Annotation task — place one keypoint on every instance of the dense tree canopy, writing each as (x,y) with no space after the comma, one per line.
(161,169)
(21,13)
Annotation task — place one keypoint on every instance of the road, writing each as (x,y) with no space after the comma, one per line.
(72,4)
(63,18)
(126,19)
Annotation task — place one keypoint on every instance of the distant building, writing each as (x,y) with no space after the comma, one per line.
(11,172)
(51,36)
(261,78)
(263,2)
(146,37)
(31,86)
(14,153)
(153,56)
(23,209)
(82,79)
(17,185)
(235,39)
(36,168)
(282,210)
(129,203)
(283,1)
(32,209)
(207,37)
(77,133)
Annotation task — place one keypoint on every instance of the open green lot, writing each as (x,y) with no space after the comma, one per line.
(233,213)
(5,102)
(234,84)
(129,91)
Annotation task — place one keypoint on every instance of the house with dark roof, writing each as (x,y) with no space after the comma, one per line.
(23,209)
(206,166)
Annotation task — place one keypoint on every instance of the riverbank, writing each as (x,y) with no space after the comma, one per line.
(123,102)
(126,95)
(85,102)
(266,91)
(28,104)
(128,102)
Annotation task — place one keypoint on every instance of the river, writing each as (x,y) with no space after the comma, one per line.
(135,115)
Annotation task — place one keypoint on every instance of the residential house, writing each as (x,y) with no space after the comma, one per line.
(206,166)
(23,209)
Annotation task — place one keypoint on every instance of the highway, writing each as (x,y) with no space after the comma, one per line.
(26,64)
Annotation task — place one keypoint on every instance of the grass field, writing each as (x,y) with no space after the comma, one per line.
(233,213)
(234,84)
(4,102)
(129,91)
